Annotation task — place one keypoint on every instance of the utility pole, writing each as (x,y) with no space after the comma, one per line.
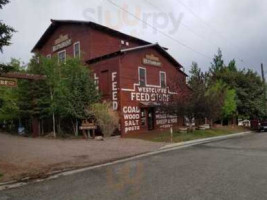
(264,87)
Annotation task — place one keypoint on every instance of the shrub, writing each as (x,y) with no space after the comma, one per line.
(106,118)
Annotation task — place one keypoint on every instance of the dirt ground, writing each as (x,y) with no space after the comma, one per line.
(22,157)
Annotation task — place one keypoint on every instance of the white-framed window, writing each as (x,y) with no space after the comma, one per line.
(76,50)
(62,56)
(142,76)
(162,78)
(48,56)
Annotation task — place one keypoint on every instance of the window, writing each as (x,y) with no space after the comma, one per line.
(104,83)
(76,50)
(62,56)
(163,79)
(142,77)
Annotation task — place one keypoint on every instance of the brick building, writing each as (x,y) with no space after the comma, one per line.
(134,75)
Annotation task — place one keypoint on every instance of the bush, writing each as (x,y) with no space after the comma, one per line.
(106,118)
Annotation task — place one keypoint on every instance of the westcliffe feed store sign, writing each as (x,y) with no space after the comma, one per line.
(137,77)
(150,94)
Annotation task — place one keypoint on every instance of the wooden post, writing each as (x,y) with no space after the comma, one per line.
(171,131)
(35,127)
(264,86)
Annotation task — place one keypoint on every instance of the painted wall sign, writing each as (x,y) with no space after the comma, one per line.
(150,94)
(164,120)
(62,42)
(152,60)
(131,115)
(114,90)
(8,82)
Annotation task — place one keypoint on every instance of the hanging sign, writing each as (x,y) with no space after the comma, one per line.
(152,60)
(62,42)
(8,82)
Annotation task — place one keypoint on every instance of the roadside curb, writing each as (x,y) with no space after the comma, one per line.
(166,148)
(205,140)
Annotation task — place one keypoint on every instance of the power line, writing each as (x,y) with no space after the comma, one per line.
(161,32)
(186,26)
(205,23)
(199,18)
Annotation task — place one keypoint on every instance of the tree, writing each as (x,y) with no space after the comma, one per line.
(9,109)
(5,37)
(221,101)
(248,88)
(77,91)
(191,104)
(5,30)
(218,64)
(229,106)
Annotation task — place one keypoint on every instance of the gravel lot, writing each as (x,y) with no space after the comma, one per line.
(23,157)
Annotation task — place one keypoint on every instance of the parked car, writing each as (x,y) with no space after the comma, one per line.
(262,126)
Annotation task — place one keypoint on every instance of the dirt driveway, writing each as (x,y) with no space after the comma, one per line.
(23,157)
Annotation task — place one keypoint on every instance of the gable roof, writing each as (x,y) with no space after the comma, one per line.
(56,23)
(156,46)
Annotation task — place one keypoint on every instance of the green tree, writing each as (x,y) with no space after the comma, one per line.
(218,64)
(229,106)
(5,37)
(248,88)
(9,109)
(193,104)
(71,90)
(77,91)
(5,30)
(215,96)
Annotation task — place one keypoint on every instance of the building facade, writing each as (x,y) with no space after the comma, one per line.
(134,75)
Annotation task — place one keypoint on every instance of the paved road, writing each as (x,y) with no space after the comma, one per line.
(232,169)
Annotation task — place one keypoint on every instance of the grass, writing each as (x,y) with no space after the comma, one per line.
(156,136)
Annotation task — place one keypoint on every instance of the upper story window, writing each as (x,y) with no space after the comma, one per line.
(142,76)
(62,56)
(76,50)
(163,79)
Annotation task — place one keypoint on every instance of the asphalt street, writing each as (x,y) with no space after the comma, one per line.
(231,169)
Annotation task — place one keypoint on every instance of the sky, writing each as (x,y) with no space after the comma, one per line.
(192,30)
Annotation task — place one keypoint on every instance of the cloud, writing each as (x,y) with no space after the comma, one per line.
(237,27)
